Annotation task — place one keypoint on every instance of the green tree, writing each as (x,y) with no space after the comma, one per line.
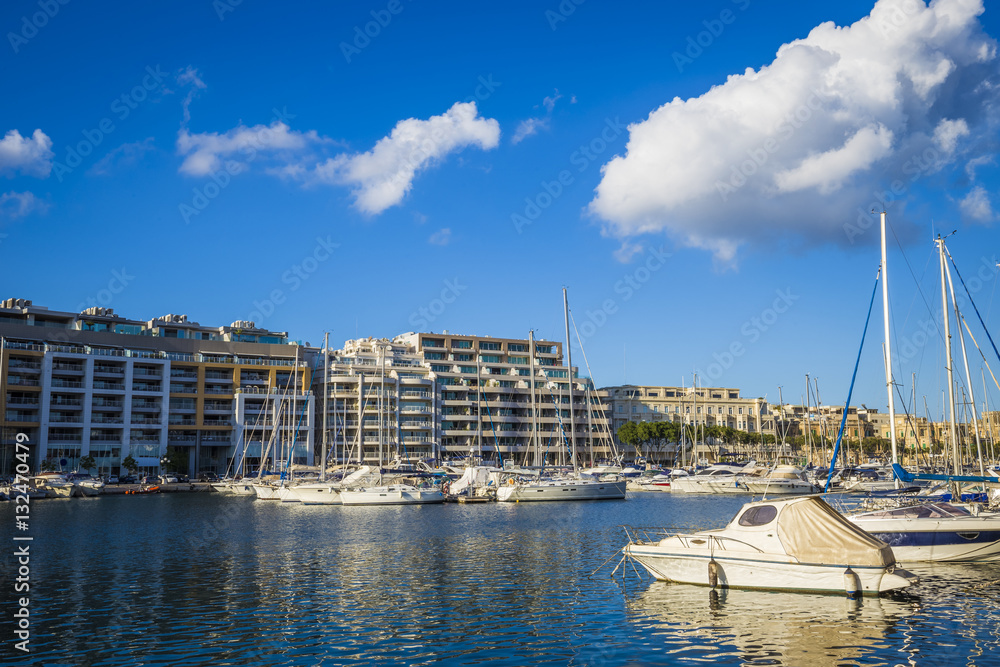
(87,463)
(130,464)
(628,434)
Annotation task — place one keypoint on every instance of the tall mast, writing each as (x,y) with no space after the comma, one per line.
(361,418)
(968,376)
(326,403)
(569,366)
(534,411)
(947,357)
(808,423)
(479,406)
(888,352)
(694,445)
(683,425)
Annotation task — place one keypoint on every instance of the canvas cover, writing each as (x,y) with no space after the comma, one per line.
(814,532)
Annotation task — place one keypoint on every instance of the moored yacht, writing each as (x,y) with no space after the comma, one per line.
(798,543)
(540,490)
(393,494)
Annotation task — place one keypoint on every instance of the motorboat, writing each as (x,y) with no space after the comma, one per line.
(934,532)
(797,544)
(393,494)
(517,489)
(54,484)
(717,478)
(784,479)
(86,485)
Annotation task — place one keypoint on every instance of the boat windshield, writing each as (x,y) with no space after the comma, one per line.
(759,515)
(925,511)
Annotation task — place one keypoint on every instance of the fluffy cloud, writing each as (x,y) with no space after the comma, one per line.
(976,205)
(528,127)
(203,153)
(27,155)
(15,205)
(384,175)
(792,150)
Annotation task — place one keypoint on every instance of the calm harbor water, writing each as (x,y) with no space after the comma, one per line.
(206,579)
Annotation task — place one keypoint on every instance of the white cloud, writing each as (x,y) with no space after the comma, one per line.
(440,237)
(975,163)
(948,132)
(528,127)
(976,206)
(189,76)
(204,152)
(384,175)
(793,149)
(29,155)
(15,205)
(125,155)
(549,102)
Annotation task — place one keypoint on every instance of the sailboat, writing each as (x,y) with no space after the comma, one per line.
(518,488)
(931,531)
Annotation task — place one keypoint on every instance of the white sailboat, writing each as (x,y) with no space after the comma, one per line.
(931,531)
(576,487)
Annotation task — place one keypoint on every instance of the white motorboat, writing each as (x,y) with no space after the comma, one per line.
(86,485)
(718,478)
(54,484)
(517,490)
(798,543)
(393,494)
(266,491)
(934,532)
(782,480)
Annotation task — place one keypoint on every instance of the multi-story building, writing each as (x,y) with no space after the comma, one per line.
(97,384)
(704,406)
(425,395)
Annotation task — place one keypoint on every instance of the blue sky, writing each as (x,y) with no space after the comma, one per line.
(266,162)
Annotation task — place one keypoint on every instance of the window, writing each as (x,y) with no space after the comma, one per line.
(483,345)
(433,342)
(467,369)
(730,411)
(656,408)
(710,409)
(440,368)
(489,358)
(434,356)
(741,410)
(759,516)
(517,347)
(517,360)
(462,344)
(653,394)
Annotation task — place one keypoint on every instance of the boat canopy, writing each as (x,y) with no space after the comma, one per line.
(813,532)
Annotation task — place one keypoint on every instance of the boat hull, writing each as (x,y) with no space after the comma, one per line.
(779,487)
(923,541)
(318,495)
(762,571)
(376,496)
(562,490)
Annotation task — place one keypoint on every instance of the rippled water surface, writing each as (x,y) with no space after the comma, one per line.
(207,579)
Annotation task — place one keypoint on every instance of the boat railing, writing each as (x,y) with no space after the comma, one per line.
(653,534)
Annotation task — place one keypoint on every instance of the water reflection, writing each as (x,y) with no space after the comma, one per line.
(768,628)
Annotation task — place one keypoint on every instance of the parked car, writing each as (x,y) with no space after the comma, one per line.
(127,479)
(183,479)
(208,476)
(168,478)
(112,479)
(150,479)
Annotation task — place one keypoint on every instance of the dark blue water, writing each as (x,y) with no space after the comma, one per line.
(208,579)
